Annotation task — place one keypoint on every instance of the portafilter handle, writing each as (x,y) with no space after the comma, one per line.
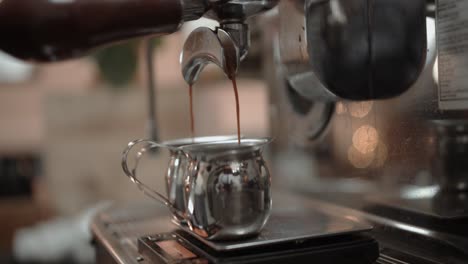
(43,30)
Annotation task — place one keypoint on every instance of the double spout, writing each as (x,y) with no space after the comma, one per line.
(225,46)
(204,46)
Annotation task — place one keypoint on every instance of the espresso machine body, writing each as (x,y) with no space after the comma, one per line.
(380,129)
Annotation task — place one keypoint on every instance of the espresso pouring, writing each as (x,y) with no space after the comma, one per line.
(236,95)
(192,119)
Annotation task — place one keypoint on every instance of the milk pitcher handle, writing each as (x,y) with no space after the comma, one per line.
(131,172)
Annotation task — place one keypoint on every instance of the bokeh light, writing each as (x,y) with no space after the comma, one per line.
(360,109)
(365,139)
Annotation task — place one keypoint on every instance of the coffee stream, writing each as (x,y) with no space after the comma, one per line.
(192,120)
(236,94)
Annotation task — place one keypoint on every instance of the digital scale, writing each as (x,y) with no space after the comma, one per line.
(309,237)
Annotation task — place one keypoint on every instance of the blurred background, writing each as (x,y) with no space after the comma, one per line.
(63,127)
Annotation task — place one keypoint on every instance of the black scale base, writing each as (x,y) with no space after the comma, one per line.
(181,247)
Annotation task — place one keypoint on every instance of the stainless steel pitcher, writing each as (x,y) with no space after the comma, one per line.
(227,189)
(219,190)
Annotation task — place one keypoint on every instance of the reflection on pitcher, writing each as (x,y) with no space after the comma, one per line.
(226,186)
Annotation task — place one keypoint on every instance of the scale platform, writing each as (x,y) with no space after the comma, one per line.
(288,237)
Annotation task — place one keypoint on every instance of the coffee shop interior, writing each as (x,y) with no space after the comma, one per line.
(270,131)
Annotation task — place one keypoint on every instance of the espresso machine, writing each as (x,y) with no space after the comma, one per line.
(369,140)
(368,113)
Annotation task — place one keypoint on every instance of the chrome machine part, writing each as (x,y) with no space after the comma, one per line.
(194,9)
(450,166)
(352,49)
(205,46)
(229,10)
(232,14)
(239,32)
(226,46)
